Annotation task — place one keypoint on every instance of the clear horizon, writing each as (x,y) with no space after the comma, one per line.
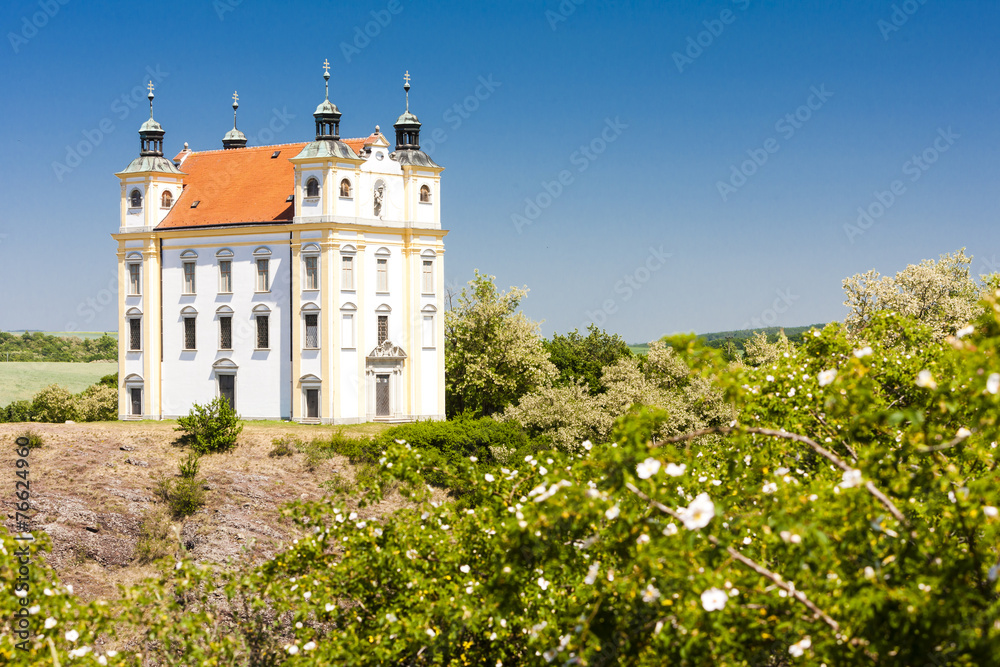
(653,169)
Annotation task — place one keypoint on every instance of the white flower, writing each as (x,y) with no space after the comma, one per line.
(747,540)
(993,383)
(650,594)
(647,468)
(643,539)
(50,623)
(965,331)
(308,646)
(714,599)
(21,594)
(329,607)
(591,577)
(675,470)
(586,445)
(542,583)
(79,652)
(770,487)
(851,478)
(869,572)
(697,515)
(826,377)
(671,529)
(925,379)
(863,352)
(72,636)
(307,595)
(464,569)
(963,433)
(612,512)
(473,459)
(990,511)
(430,632)
(411,554)
(770,378)
(488,477)
(798,648)
(35,609)
(101,660)
(292,649)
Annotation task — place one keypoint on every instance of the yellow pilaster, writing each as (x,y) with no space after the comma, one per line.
(152,394)
(359,330)
(329,329)
(439,288)
(295,305)
(122,329)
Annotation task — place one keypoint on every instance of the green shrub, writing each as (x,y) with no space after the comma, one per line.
(189,467)
(212,427)
(186,496)
(155,539)
(284,446)
(54,404)
(109,381)
(461,438)
(29,439)
(17,411)
(98,403)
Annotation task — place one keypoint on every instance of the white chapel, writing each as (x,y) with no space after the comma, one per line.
(298,281)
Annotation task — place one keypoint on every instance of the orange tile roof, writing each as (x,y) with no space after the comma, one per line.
(235,186)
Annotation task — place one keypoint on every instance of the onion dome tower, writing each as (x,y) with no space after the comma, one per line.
(327,115)
(234,138)
(408,135)
(151,147)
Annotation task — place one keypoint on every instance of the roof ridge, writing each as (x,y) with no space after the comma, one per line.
(247,148)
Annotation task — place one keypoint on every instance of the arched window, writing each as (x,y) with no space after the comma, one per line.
(168,199)
(135,199)
(345,188)
(425,194)
(312,188)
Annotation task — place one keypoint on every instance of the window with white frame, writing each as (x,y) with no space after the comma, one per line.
(427,331)
(190,341)
(427,276)
(189,277)
(225,276)
(347,336)
(382,274)
(263,332)
(312,272)
(263,275)
(135,333)
(134,278)
(383,328)
(312,330)
(312,188)
(225,332)
(347,272)
(135,199)
(166,200)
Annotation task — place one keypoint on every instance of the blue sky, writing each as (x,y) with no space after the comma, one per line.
(653,167)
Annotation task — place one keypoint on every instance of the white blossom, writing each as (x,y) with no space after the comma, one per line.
(990,511)
(851,478)
(50,623)
(650,594)
(643,539)
(769,487)
(925,379)
(800,647)
(699,513)
(826,377)
(72,635)
(993,383)
(647,468)
(612,512)
(965,331)
(671,529)
(488,477)
(675,470)
(863,352)
(714,599)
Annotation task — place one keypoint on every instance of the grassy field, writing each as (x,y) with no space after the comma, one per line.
(21,380)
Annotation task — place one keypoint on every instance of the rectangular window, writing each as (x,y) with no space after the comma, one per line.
(135,334)
(225,276)
(347,272)
(134,279)
(225,333)
(312,272)
(428,331)
(347,331)
(428,276)
(262,331)
(189,340)
(263,282)
(382,281)
(312,330)
(383,328)
(189,277)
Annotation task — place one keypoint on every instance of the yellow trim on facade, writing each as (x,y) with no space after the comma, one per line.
(295,307)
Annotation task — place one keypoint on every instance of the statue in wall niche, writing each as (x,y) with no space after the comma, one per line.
(379,196)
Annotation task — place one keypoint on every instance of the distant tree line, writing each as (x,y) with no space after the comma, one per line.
(45,347)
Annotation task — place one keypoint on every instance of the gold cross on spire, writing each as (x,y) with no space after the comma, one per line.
(236,99)
(406,78)
(326,66)
(150,86)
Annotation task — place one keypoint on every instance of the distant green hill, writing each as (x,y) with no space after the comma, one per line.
(719,339)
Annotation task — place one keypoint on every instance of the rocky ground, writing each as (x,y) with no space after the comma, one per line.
(92,485)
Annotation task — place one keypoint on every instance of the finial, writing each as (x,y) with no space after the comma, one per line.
(377,129)
(150,86)
(236,105)
(326,75)
(406,87)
